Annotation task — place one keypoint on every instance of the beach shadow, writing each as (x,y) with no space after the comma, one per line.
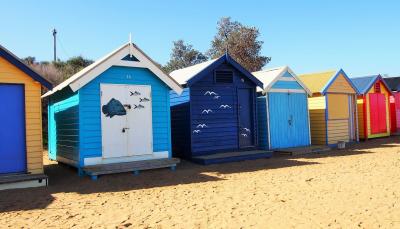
(64,179)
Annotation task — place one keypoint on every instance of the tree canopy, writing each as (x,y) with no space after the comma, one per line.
(183,55)
(242,44)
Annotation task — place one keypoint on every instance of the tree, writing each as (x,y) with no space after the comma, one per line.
(182,56)
(242,43)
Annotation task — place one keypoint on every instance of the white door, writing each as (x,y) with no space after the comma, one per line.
(140,134)
(113,120)
(126,120)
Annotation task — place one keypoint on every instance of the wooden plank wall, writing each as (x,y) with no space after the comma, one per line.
(317,108)
(33,109)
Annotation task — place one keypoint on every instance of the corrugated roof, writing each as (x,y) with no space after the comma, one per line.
(363,83)
(393,83)
(316,82)
(185,74)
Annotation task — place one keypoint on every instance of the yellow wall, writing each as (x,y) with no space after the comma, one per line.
(317,108)
(360,108)
(383,91)
(341,85)
(338,106)
(11,74)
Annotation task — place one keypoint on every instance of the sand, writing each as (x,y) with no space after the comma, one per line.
(354,188)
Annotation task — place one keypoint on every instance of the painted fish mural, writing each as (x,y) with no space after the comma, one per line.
(140,106)
(144,99)
(112,108)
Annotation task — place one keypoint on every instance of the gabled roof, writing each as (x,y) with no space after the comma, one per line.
(364,83)
(115,58)
(320,82)
(269,76)
(10,57)
(393,83)
(193,73)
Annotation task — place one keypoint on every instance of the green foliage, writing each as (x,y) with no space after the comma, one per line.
(242,44)
(182,56)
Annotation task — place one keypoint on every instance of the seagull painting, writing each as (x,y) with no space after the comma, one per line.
(196,131)
(134,93)
(246,129)
(217,97)
(201,125)
(207,111)
(244,135)
(210,93)
(226,106)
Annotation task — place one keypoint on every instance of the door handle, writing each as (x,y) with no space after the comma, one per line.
(124,129)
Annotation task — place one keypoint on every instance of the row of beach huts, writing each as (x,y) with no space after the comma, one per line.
(124,114)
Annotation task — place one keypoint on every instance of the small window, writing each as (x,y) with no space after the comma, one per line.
(377,87)
(223,76)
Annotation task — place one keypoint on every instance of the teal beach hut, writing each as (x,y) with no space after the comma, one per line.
(113,116)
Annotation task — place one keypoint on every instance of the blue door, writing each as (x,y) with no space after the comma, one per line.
(299,134)
(278,104)
(288,120)
(12,131)
(245,112)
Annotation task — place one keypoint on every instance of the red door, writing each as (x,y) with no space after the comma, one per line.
(397,108)
(377,112)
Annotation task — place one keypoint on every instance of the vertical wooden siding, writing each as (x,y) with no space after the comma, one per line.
(317,108)
(89,109)
(360,118)
(262,122)
(180,123)
(33,113)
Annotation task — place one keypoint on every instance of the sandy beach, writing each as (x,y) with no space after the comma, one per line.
(354,188)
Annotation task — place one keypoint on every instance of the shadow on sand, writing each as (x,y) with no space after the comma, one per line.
(64,179)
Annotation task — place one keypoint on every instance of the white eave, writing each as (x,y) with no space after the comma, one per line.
(269,76)
(183,75)
(114,58)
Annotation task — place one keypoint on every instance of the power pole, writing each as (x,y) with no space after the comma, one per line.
(54,43)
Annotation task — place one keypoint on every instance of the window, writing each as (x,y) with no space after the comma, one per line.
(377,87)
(223,76)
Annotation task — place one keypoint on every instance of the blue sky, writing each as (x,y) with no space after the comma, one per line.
(362,37)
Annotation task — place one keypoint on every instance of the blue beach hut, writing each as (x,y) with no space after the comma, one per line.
(283,117)
(113,116)
(215,118)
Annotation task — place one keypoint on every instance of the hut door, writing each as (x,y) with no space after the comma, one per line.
(140,132)
(245,112)
(114,120)
(12,131)
(126,120)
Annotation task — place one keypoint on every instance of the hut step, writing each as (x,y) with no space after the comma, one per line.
(135,167)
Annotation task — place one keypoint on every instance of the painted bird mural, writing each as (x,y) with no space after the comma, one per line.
(112,108)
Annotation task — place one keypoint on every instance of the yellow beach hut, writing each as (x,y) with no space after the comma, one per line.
(332,107)
(21,152)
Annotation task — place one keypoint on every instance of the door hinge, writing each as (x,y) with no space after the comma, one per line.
(101,93)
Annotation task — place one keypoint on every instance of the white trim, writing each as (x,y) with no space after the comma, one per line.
(24,184)
(287,90)
(100,160)
(268,124)
(282,78)
(309,124)
(279,76)
(87,74)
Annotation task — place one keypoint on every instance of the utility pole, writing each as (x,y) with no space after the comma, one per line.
(54,43)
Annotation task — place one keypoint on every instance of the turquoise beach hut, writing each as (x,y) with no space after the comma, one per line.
(113,116)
